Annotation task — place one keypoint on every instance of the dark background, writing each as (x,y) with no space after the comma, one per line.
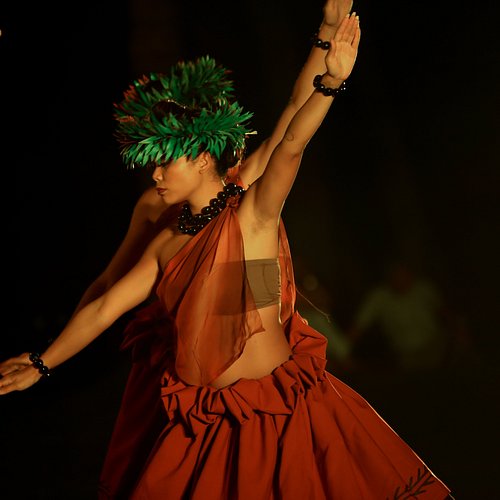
(405,164)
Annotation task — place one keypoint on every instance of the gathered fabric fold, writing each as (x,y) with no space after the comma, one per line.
(274,394)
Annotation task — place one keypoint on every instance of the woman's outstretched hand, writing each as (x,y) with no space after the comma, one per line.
(335,10)
(342,54)
(14,364)
(17,374)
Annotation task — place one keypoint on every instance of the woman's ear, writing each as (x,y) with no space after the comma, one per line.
(204,162)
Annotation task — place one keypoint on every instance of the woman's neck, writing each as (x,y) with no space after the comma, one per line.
(201,198)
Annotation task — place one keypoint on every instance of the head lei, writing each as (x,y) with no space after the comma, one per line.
(183,113)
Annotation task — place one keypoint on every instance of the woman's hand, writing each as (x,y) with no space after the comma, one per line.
(336,10)
(342,54)
(13,364)
(17,374)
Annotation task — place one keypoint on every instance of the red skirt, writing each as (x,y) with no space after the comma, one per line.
(298,433)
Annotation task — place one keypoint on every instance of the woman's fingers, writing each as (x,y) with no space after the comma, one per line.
(357,37)
(350,34)
(347,29)
(342,28)
(12,367)
(7,384)
(14,364)
(351,27)
(19,380)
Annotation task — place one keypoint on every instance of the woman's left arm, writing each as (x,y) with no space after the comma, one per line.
(334,11)
(271,189)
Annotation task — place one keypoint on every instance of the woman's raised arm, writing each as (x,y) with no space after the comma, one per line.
(334,11)
(272,188)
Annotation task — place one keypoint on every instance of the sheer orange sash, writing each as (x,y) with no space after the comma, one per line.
(205,292)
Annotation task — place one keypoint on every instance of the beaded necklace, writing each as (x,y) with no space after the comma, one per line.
(188,223)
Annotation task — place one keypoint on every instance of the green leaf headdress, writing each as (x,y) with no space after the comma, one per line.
(190,110)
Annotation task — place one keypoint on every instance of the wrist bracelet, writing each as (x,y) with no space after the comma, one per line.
(34,357)
(320,44)
(327,91)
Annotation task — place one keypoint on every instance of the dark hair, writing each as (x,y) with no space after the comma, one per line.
(228,159)
(164,108)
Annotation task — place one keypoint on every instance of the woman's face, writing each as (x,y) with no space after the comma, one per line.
(176,180)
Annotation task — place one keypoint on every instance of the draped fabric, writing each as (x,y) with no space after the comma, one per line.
(206,292)
(296,433)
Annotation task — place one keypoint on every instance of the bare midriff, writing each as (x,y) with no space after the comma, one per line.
(263,352)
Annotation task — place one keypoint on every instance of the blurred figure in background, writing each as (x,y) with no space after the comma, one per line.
(406,322)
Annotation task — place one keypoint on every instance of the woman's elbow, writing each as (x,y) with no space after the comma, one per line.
(292,145)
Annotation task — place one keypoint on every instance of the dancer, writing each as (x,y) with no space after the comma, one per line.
(228,396)
(146,220)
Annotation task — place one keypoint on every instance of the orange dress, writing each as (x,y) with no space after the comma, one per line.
(297,433)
